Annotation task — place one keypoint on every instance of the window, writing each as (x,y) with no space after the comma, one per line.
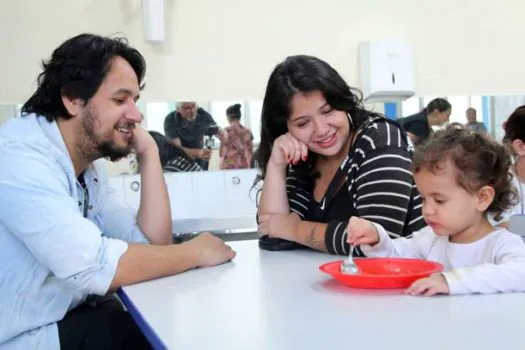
(460,104)
(155,114)
(410,106)
(476,102)
(218,111)
(255,108)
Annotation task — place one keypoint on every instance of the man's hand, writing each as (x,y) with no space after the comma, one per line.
(210,250)
(205,154)
(279,225)
(142,142)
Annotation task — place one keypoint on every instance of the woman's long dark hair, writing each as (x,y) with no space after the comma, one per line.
(303,74)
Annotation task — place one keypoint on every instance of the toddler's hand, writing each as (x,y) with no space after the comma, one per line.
(361,231)
(435,284)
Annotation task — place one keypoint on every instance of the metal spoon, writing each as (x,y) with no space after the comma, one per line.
(348,265)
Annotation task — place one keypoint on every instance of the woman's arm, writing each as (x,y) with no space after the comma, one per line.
(290,227)
(274,199)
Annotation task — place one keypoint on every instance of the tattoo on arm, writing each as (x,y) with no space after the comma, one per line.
(312,241)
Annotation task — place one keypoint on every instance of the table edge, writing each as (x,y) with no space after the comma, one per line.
(141,322)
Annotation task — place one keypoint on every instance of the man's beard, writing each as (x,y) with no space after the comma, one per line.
(95,146)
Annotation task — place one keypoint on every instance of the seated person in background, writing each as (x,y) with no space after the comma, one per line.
(419,126)
(462,176)
(186,127)
(173,158)
(237,150)
(515,141)
(66,241)
(324,159)
(473,124)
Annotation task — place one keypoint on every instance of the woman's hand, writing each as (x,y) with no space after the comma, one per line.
(279,225)
(288,150)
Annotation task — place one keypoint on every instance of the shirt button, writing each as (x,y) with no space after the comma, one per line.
(90,207)
(95,179)
(79,204)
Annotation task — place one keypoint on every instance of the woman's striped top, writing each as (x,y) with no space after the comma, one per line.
(380,186)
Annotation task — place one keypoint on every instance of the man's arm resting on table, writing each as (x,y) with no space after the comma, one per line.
(142,262)
(194,153)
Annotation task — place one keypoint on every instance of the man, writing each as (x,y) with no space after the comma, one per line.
(473,124)
(64,239)
(186,126)
(419,126)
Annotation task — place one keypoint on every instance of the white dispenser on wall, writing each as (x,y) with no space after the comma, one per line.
(386,71)
(153,20)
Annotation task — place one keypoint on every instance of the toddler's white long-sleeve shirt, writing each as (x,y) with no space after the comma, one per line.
(495,263)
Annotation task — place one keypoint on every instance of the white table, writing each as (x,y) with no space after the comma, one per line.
(280,300)
(223,225)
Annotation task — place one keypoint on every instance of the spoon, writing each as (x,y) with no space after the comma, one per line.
(348,265)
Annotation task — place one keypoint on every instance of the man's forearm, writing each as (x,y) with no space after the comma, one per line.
(192,152)
(143,262)
(154,215)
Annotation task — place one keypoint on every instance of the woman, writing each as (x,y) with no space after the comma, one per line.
(236,148)
(515,140)
(419,126)
(324,158)
(173,158)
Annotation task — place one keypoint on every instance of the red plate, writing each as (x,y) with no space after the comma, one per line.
(383,273)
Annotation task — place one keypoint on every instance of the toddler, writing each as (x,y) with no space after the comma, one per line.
(462,177)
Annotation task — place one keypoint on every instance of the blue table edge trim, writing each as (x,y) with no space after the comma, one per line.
(141,322)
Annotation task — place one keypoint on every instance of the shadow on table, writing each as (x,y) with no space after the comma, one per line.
(331,286)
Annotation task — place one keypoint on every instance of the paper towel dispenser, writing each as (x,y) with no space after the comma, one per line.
(153,20)
(386,71)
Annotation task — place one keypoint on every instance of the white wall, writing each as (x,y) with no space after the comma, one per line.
(210,200)
(6,112)
(226,49)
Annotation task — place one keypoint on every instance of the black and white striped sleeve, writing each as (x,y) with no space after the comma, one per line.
(181,164)
(384,188)
(299,199)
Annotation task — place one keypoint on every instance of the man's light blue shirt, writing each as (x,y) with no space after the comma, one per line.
(51,256)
